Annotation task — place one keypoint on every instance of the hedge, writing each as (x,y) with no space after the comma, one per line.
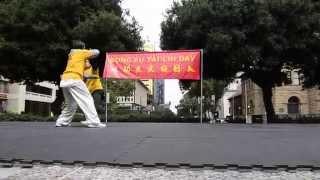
(24,117)
(112,117)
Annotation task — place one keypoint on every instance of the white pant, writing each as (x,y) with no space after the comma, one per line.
(76,93)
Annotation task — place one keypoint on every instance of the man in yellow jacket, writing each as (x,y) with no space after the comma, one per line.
(93,82)
(74,89)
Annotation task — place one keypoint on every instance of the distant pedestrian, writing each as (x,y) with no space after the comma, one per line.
(74,89)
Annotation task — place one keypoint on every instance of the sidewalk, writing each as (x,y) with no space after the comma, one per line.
(100,173)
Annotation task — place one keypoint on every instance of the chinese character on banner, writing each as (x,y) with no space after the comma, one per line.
(153,65)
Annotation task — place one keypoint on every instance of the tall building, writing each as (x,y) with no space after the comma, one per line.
(156,87)
(158,92)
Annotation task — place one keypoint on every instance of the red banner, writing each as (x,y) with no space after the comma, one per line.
(153,65)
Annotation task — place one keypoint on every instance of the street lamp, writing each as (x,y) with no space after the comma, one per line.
(248,121)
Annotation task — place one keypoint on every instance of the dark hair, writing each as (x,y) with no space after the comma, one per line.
(95,62)
(77,44)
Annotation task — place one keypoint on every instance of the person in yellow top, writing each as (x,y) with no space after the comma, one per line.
(93,82)
(74,89)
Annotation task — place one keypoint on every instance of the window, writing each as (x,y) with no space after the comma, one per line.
(4,88)
(39,89)
(293,105)
(251,107)
(288,79)
(3,106)
(295,78)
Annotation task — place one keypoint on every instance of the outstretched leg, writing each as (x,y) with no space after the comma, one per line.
(69,109)
(82,96)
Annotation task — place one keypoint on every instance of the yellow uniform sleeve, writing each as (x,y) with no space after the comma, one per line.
(76,63)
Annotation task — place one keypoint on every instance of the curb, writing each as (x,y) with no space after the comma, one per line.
(24,163)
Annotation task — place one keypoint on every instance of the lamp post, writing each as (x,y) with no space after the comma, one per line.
(233,108)
(248,121)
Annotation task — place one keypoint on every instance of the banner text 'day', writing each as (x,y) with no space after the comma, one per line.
(153,65)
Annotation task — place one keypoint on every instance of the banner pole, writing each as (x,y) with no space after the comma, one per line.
(106,95)
(106,92)
(201,85)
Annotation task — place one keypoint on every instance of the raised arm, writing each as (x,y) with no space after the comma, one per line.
(94,53)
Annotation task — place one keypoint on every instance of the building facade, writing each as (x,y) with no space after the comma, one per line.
(21,98)
(4,92)
(227,105)
(139,98)
(289,99)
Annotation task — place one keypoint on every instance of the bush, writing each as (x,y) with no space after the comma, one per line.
(117,116)
(165,116)
(35,118)
(302,119)
(136,116)
(24,117)
(236,120)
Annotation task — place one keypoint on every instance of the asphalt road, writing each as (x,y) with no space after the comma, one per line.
(273,144)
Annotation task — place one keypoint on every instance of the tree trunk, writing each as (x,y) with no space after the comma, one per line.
(267,99)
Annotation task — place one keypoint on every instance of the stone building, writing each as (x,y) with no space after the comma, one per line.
(229,105)
(289,98)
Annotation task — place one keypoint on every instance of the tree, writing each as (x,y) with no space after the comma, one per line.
(188,106)
(258,38)
(35,36)
(190,99)
(308,58)
(118,88)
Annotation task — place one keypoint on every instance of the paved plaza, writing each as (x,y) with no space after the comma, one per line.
(170,143)
(159,151)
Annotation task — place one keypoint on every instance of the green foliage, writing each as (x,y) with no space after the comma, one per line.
(188,107)
(136,116)
(210,87)
(193,89)
(7,117)
(118,88)
(24,117)
(107,31)
(256,37)
(35,36)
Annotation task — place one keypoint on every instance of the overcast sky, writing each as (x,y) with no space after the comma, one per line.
(149,14)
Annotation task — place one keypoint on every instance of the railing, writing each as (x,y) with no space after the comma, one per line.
(39,97)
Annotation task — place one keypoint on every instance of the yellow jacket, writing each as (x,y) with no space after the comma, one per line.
(76,63)
(92,80)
